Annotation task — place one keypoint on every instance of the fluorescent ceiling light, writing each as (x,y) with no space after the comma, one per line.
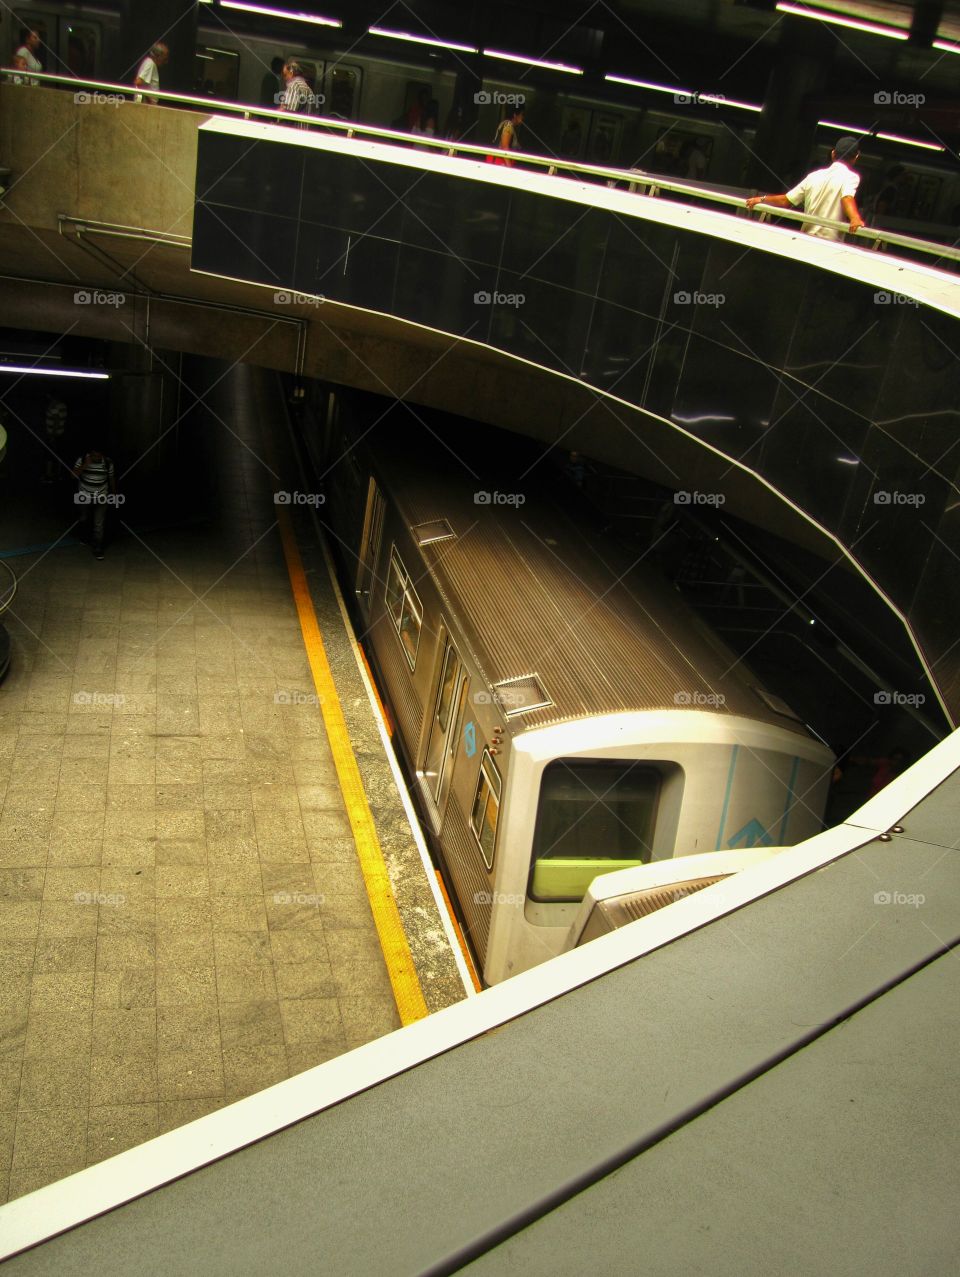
(717,99)
(911,141)
(843,128)
(713,99)
(76,373)
(946,45)
(422,39)
(532,62)
(268,12)
(648,84)
(840,20)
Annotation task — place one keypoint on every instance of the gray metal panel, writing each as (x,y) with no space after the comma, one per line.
(845,1159)
(414,1169)
(937,818)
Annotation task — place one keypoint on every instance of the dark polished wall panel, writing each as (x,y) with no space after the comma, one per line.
(844,398)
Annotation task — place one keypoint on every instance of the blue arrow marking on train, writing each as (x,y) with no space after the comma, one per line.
(470,739)
(752,834)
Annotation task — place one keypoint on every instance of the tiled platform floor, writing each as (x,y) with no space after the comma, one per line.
(182,917)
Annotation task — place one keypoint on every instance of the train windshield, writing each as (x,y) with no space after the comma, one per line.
(595,815)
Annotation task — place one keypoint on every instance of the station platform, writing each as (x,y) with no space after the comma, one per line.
(757,1079)
(184,915)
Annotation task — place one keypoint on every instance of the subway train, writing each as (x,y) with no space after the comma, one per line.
(562,714)
(618,126)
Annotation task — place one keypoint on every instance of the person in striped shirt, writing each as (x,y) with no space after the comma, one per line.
(295,96)
(97,484)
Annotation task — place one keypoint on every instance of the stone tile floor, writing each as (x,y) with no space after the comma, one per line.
(182,917)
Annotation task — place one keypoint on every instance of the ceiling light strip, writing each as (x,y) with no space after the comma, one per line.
(842,20)
(266,11)
(532,62)
(421,39)
(77,374)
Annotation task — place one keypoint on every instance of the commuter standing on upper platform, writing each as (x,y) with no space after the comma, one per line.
(827,192)
(148,73)
(296,91)
(25,57)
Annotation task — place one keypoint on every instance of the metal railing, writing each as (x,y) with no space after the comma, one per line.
(649,184)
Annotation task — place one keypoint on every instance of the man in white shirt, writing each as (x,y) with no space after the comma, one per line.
(148,73)
(25,58)
(827,192)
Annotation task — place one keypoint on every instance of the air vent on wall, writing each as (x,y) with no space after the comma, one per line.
(520,695)
(435,530)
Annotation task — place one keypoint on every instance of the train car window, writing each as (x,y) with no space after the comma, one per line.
(403,605)
(486,808)
(216,73)
(594,815)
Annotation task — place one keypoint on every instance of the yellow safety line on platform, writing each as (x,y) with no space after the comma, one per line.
(386,916)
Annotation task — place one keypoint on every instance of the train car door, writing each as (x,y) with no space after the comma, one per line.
(442,740)
(370,545)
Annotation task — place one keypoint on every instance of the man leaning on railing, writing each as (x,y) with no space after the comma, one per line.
(826,192)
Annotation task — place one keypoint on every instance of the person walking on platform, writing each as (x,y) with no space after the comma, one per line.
(826,192)
(148,72)
(97,485)
(506,137)
(295,97)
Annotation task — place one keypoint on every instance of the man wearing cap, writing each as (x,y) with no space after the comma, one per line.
(827,192)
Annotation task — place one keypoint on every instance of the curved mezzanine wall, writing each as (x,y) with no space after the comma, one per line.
(826,369)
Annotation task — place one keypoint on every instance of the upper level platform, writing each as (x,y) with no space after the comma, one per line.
(809,387)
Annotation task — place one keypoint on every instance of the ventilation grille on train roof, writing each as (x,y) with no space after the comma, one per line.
(521,695)
(639,904)
(775,703)
(435,530)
